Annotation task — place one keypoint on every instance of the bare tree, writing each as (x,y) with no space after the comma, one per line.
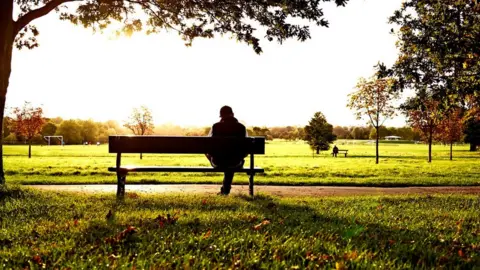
(140,122)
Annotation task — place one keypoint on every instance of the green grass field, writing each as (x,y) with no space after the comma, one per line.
(48,230)
(286,163)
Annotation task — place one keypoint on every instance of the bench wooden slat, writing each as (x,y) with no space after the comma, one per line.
(178,169)
(184,145)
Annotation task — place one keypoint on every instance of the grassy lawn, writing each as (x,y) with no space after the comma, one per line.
(58,231)
(286,163)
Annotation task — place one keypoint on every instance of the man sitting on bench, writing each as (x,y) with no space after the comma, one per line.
(227,127)
(335,151)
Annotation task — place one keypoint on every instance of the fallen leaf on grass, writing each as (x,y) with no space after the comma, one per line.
(162,220)
(261,224)
(207,234)
(350,256)
(121,236)
(37,259)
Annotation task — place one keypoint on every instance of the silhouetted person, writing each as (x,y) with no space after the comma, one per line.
(335,151)
(227,127)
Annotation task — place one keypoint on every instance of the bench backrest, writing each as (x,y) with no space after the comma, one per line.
(184,145)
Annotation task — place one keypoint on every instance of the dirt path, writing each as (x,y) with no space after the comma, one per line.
(283,191)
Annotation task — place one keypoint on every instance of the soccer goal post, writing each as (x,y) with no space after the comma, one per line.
(48,138)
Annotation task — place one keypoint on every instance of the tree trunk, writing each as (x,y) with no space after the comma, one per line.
(376,144)
(30,149)
(451,150)
(318,151)
(430,140)
(473,147)
(141,156)
(6,47)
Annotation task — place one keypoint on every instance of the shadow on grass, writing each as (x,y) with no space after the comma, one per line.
(325,235)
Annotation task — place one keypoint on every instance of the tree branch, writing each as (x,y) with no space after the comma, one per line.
(37,13)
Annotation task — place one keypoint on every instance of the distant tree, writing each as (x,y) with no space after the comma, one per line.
(450,129)
(319,133)
(49,129)
(383,131)
(425,117)
(340,132)
(28,121)
(374,99)
(89,131)
(140,122)
(260,131)
(71,131)
(300,133)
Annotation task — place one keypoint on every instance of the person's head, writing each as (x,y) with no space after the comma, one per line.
(226,111)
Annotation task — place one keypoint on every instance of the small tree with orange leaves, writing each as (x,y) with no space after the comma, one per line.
(28,121)
(425,116)
(374,98)
(450,129)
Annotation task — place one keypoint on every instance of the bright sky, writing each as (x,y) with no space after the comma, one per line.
(77,74)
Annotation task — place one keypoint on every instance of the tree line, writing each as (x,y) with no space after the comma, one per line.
(78,131)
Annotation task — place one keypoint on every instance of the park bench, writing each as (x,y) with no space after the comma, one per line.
(341,151)
(182,145)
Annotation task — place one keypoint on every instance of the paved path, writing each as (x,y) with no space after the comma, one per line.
(283,191)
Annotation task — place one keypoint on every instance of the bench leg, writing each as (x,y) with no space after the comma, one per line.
(250,184)
(121,179)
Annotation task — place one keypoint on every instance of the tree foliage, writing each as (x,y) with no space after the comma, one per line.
(49,129)
(89,131)
(425,117)
(374,99)
(71,131)
(28,122)
(439,52)
(319,133)
(450,128)
(190,18)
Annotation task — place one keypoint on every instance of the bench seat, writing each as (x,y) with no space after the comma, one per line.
(339,151)
(180,169)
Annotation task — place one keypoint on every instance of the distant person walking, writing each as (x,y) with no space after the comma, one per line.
(227,127)
(335,151)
